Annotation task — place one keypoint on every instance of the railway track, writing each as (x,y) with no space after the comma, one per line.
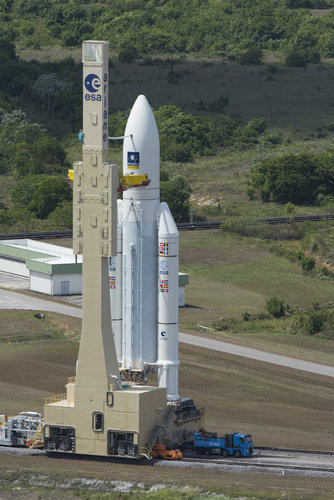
(37,236)
(268,459)
(182,226)
(297,218)
(290,450)
(264,460)
(260,465)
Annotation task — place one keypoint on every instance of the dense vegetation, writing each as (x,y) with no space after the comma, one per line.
(140,27)
(303,179)
(26,149)
(28,152)
(151,31)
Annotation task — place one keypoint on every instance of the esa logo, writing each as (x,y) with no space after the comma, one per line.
(92,82)
(163,335)
(163,268)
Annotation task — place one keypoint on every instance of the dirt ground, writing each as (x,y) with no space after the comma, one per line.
(298,97)
(239,394)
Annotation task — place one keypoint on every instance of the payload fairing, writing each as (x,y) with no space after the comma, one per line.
(144,275)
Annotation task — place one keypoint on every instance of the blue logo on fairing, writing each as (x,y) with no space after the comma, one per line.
(133,159)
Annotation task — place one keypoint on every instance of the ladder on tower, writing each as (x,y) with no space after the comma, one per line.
(146,450)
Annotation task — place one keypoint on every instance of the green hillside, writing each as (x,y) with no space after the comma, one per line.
(140,27)
(242,97)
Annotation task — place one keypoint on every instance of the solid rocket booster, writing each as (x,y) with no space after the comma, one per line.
(168,246)
(144,275)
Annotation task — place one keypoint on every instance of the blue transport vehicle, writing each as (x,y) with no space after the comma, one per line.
(236,444)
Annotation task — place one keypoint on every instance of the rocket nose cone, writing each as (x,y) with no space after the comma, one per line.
(141,101)
(167,227)
(141,117)
(141,149)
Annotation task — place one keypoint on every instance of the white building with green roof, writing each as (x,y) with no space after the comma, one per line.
(52,269)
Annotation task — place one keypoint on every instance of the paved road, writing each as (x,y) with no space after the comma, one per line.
(12,300)
(248,352)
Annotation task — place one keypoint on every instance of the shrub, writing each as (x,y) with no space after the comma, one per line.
(307,263)
(127,53)
(275,307)
(296,60)
(302,58)
(252,56)
(272,68)
(310,323)
(326,272)
(246,316)
(299,254)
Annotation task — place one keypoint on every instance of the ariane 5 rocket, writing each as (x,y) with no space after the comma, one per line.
(144,276)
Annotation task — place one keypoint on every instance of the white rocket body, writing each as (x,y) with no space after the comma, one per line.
(115,284)
(141,293)
(141,155)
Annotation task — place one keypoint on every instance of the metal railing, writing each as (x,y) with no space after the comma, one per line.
(55,399)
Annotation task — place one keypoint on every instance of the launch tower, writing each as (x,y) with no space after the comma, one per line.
(100,415)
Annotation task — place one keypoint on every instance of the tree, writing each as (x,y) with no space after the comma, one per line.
(46,86)
(176,193)
(62,214)
(297,179)
(181,135)
(290,209)
(41,193)
(252,130)
(26,149)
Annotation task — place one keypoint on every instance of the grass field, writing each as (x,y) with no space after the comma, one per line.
(230,274)
(35,478)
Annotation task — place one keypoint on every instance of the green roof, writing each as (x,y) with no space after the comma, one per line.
(183,279)
(54,268)
(45,263)
(21,253)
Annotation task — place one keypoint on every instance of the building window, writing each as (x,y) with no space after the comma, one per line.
(97,421)
(110,399)
(92,53)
